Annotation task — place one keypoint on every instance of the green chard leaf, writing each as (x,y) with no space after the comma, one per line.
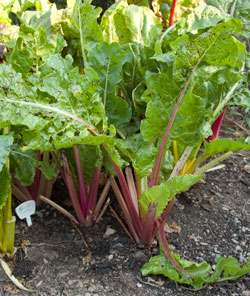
(107,61)
(165,192)
(240,10)
(130,23)
(33,47)
(161,265)
(141,153)
(226,269)
(49,170)
(57,109)
(5,147)
(24,165)
(226,144)
(217,73)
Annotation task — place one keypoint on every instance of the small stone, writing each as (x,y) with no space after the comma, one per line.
(91,289)
(247,168)
(246,293)
(139,254)
(243,229)
(109,231)
(139,285)
(45,261)
(87,294)
(111,256)
(238,248)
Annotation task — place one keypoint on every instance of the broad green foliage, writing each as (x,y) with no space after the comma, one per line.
(62,95)
(201,17)
(33,48)
(107,60)
(202,273)
(25,163)
(225,144)
(126,23)
(139,152)
(163,193)
(207,86)
(5,147)
(240,10)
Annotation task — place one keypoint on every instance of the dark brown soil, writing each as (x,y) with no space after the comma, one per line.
(213,217)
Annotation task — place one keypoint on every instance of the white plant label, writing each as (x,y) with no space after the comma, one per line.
(25,210)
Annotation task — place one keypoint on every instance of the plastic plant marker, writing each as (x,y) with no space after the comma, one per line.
(25,210)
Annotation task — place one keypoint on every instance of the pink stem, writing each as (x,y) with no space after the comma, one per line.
(81,182)
(148,227)
(157,167)
(168,253)
(94,190)
(171,22)
(73,193)
(128,198)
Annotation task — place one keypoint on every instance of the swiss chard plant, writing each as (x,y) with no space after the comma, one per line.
(139,96)
(181,97)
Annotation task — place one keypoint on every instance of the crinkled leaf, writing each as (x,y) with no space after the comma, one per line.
(130,23)
(141,153)
(191,124)
(34,47)
(118,110)
(24,164)
(5,185)
(163,193)
(241,12)
(5,147)
(201,17)
(161,265)
(226,144)
(49,170)
(56,109)
(216,47)
(107,60)
(205,89)
(226,269)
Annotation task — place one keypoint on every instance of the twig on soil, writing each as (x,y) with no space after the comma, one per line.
(211,230)
(237,124)
(244,214)
(120,221)
(81,235)
(147,283)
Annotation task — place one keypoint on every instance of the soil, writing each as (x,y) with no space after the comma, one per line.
(56,258)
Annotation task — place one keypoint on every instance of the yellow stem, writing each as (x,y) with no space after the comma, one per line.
(175,150)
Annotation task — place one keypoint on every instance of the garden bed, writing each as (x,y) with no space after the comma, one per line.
(211,218)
